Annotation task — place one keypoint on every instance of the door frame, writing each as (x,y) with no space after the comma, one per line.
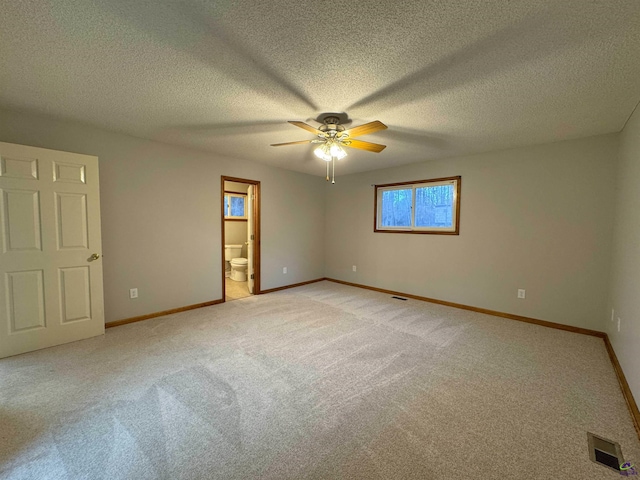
(256,230)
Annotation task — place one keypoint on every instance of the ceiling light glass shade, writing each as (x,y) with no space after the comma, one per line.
(337,151)
(323,152)
(327,151)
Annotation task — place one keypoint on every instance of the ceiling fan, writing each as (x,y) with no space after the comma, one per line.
(333,136)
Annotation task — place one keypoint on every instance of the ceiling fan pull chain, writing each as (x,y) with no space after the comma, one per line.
(333,168)
(327,170)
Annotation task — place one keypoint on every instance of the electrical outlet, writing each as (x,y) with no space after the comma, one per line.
(613,312)
(133,293)
(353,268)
(618,323)
(284,269)
(521,293)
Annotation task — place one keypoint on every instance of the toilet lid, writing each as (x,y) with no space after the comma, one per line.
(239,261)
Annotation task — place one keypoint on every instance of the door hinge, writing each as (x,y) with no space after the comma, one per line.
(252,276)
(252,237)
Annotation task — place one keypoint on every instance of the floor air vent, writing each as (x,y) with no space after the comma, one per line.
(605,452)
(399,298)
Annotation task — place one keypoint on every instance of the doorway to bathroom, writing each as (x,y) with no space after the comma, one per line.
(240,198)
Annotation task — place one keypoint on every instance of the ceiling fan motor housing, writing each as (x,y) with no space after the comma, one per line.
(334,118)
(331,127)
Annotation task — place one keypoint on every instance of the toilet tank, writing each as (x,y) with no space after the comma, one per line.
(232,251)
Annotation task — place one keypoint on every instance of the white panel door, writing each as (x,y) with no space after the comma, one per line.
(250,239)
(50,279)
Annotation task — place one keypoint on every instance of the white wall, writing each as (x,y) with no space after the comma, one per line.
(161,215)
(625,278)
(537,218)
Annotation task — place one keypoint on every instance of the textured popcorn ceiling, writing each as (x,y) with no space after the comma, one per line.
(447,77)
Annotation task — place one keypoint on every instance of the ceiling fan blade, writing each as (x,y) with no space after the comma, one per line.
(306,127)
(368,146)
(365,129)
(291,143)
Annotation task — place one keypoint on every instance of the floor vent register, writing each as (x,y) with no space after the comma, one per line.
(605,452)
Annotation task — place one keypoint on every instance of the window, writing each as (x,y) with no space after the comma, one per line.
(235,206)
(425,206)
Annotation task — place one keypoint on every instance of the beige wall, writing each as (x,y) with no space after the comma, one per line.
(236,187)
(537,218)
(235,233)
(161,215)
(625,278)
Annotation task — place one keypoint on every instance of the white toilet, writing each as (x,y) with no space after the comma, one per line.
(238,264)
(239,269)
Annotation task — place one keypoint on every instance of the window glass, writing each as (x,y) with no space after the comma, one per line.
(396,208)
(237,206)
(434,206)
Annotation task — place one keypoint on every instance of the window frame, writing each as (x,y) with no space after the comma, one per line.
(227,206)
(433,182)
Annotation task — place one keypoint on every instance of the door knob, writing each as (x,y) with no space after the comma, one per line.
(93,257)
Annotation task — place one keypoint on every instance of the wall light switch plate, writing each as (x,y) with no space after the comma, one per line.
(521,293)
(133,293)
(354,268)
(618,323)
(284,270)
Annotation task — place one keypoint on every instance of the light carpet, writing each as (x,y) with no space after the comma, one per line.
(323,381)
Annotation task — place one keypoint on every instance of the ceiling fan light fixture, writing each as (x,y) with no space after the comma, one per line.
(333,137)
(323,152)
(337,151)
(330,150)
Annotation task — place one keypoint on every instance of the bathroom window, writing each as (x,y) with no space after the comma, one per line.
(424,206)
(235,206)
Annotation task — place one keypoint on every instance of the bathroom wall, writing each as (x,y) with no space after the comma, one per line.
(236,187)
(235,231)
